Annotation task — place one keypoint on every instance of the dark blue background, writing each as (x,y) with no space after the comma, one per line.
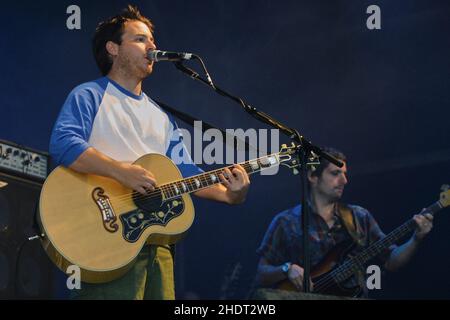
(380,96)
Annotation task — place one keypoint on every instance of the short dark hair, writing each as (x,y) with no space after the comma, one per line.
(324,162)
(112,30)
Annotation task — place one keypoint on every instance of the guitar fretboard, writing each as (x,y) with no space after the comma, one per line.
(349,267)
(205,180)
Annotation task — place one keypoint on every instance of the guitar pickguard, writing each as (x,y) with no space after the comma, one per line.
(136,221)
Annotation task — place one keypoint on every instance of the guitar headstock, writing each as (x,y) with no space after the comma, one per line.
(444,198)
(288,156)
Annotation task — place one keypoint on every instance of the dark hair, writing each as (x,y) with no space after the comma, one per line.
(112,30)
(324,162)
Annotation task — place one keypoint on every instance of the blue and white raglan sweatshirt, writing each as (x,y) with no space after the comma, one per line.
(116,122)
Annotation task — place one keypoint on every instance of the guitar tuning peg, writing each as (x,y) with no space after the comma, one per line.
(445,187)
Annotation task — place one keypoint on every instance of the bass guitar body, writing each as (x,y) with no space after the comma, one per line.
(323,283)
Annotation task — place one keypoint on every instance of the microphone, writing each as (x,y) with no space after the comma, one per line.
(158,55)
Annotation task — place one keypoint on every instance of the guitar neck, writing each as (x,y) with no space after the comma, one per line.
(208,179)
(349,267)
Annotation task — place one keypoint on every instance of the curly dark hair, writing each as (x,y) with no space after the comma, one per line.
(112,30)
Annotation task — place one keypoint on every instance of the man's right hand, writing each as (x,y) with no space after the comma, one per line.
(131,176)
(135,177)
(295,275)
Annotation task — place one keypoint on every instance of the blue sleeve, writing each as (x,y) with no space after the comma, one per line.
(178,152)
(73,126)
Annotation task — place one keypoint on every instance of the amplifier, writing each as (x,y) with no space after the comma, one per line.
(26,272)
(23,161)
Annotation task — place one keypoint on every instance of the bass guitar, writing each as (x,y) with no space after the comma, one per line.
(330,275)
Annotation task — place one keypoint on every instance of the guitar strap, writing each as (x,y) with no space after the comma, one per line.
(348,219)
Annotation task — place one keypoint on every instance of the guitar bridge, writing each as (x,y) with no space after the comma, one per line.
(106,210)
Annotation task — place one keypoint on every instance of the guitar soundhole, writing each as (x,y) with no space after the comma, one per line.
(149,202)
(151,210)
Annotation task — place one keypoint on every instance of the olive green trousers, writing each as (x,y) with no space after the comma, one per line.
(150,278)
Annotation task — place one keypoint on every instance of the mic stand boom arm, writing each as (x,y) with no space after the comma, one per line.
(261,116)
(306,147)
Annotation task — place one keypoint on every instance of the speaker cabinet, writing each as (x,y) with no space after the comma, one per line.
(25,270)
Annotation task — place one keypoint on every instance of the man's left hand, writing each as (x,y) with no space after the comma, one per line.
(424,225)
(237,182)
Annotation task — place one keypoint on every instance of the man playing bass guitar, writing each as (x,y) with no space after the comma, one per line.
(334,227)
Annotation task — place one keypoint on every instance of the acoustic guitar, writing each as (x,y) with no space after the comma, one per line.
(100,226)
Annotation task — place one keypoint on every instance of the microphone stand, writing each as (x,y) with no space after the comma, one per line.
(304,149)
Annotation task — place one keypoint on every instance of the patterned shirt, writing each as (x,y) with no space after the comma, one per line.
(283,241)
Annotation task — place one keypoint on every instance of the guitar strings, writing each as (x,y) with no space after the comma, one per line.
(121,201)
(167,187)
(328,280)
(202,176)
(118,201)
(125,198)
(367,253)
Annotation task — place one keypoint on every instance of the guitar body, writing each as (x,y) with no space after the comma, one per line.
(100,226)
(322,270)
